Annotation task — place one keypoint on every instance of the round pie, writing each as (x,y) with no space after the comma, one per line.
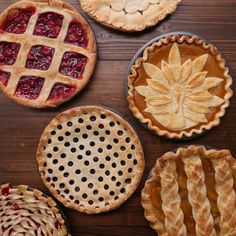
(179,87)
(192,192)
(129,15)
(26,211)
(90,159)
(47,52)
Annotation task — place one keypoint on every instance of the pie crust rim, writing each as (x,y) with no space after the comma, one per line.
(164,40)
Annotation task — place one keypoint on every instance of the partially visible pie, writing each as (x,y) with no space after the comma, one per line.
(192,192)
(129,15)
(25,211)
(47,52)
(91,159)
(179,87)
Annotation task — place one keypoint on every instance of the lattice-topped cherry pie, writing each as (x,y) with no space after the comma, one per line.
(25,211)
(47,52)
(192,192)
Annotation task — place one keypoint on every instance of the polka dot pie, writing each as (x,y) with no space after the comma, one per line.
(90,159)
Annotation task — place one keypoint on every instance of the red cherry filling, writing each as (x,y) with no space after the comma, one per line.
(76,35)
(17,20)
(61,91)
(57,225)
(8,52)
(73,64)
(48,24)
(15,207)
(4,77)
(40,57)
(29,87)
(6,191)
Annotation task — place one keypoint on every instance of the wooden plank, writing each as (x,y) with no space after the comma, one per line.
(20,127)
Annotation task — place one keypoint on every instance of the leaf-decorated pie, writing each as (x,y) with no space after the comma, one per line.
(179,87)
(129,15)
(91,159)
(47,52)
(192,192)
(26,211)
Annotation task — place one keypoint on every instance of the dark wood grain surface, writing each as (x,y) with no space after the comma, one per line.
(20,127)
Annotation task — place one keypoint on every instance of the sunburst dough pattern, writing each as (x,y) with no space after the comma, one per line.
(177,94)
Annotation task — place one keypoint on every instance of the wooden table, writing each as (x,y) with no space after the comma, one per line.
(20,127)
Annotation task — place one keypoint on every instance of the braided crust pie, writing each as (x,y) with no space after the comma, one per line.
(179,87)
(91,159)
(192,192)
(129,15)
(26,211)
(47,52)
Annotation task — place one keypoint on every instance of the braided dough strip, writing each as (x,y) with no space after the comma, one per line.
(197,196)
(226,200)
(174,221)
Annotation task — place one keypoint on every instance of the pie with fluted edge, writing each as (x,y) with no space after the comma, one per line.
(91,159)
(129,15)
(192,192)
(179,87)
(47,52)
(26,211)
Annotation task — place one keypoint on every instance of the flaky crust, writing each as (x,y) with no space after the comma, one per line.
(98,207)
(179,39)
(102,12)
(225,175)
(51,75)
(28,192)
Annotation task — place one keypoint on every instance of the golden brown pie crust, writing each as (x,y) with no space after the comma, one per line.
(127,18)
(192,192)
(52,75)
(190,48)
(23,196)
(98,161)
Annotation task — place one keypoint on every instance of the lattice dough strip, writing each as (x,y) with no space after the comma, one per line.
(174,217)
(197,195)
(226,196)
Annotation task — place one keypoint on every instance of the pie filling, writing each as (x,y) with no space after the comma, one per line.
(48,25)
(29,87)
(4,77)
(73,64)
(17,20)
(76,35)
(8,52)
(40,57)
(61,91)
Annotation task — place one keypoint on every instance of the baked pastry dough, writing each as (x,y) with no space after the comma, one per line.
(90,159)
(25,211)
(48,57)
(183,91)
(192,192)
(129,15)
